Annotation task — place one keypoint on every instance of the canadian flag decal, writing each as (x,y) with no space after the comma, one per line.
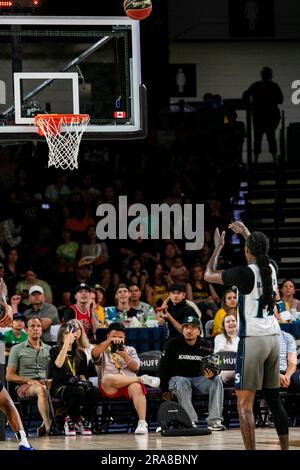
(120,114)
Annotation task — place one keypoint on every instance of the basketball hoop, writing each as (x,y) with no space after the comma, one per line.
(63,133)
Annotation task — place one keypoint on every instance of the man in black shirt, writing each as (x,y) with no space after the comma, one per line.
(177,309)
(179,373)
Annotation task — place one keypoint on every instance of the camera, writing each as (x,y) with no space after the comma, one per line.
(85,384)
(114,347)
(72,328)
(2,311)
(210,362)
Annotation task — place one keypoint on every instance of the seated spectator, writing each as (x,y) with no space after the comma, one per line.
(66,253)
(144,310)
(94,249)
(109,283)
(288,290)
(31,279)
(82,339)
(83,273)
(169,253)
(176,311)
(79,220)
(178,272)
(12,270)
(10,231)
(122,312)
(119,365)
(97,313)
(27,367)
(58,191)
(179,371)
(135,269)
(203,294)
(46,312)
(228,306)
(8,408)
(70,381)
(17,334)
(157,288)
(227,341)
(97,305)
(81,309)
(289,374)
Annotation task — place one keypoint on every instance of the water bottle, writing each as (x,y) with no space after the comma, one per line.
(294,313)
(150,313)
(123,315)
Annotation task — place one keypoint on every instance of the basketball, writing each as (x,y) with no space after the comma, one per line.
(137,9)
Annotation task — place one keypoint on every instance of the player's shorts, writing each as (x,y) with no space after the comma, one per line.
(257,363)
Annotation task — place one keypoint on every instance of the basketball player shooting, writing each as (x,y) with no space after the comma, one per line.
(257,365)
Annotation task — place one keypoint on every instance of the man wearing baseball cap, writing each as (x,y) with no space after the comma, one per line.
(180,373)
(17,334)
(81,309)
(47,313)
(175,310)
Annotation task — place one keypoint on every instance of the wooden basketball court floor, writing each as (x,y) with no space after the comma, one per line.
(231,439)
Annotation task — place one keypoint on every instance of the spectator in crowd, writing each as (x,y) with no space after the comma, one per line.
(227,341)
(70,381)
(12,270)
(142,308)
(135,269)
(179,371)
(27,368)
(31,279)
(288,290)
(109,283)
(82,274)
(177,310)
(119,365)
(8,408)
(203,294)
(94,249)
(67,253)
(97,306)
(228,306)
(17,334)
(58,191)
(289,374)
(10,231)
(157,288)
(79,222)
(122,312)
(82,339)
(81,309)
(265,96)
(178,272)
(46,312)
(168,255)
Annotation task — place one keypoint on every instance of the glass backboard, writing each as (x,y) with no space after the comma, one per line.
(88,65)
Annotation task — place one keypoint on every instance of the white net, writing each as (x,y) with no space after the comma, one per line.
(63,133)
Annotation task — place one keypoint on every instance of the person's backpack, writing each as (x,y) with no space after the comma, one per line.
(173,420)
